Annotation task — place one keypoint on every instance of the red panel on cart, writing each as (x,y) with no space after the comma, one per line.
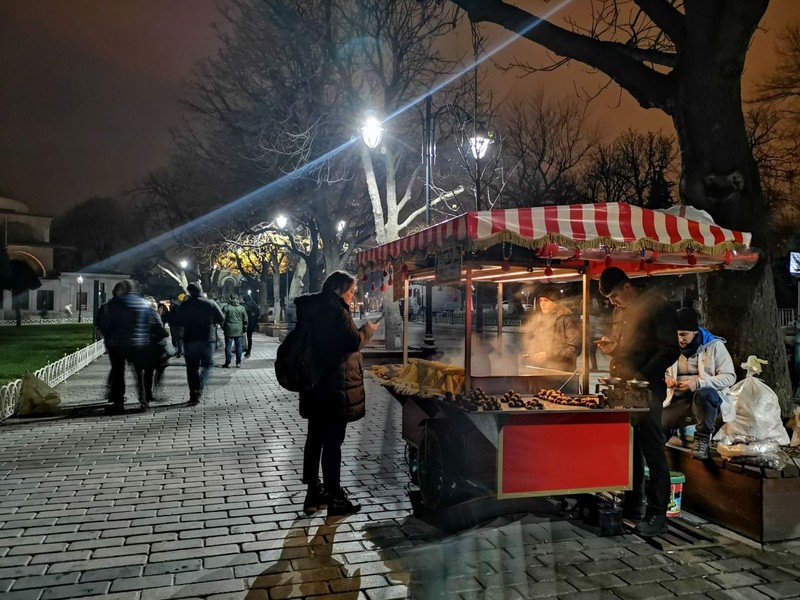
(558,453)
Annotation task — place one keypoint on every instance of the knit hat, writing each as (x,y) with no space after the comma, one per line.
(611,278)
(552,293)
(687,320)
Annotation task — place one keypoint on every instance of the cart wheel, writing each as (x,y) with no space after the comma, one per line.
(435,482)
(412,461)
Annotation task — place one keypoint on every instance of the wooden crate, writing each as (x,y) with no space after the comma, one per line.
(759,503)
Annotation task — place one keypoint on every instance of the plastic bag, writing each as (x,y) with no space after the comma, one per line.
(758,413)
(776,460)
(733,450)
(36,397)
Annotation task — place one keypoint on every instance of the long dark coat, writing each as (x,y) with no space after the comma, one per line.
(337,341)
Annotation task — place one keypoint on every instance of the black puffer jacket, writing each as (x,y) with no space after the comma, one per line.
(340,394)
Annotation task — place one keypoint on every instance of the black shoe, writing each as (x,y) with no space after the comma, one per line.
(316,499)
(247,355)
(194,398)
(340,504)
(226,366)
(700,447)
(652,525)
(633,511)
(238,365)
(115,409)
(145,403)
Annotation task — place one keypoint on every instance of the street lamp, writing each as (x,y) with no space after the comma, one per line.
(184,264)
(80,298)
(372,132)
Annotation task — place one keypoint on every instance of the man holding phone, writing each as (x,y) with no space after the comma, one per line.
(642,346)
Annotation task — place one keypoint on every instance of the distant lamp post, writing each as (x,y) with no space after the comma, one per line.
(184,280)
(80,298)
(281,221)
(184,264)
(479,143)
(372,132)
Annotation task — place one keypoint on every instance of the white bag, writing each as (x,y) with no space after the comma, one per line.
(758,412)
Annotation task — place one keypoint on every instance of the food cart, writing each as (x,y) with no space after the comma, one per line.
(463,441)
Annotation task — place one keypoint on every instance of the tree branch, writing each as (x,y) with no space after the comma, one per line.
(650,88)
(669,19)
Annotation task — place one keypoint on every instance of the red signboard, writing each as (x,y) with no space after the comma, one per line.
(584,451)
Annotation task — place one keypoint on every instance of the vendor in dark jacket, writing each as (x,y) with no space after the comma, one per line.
(642,346)
(339,397)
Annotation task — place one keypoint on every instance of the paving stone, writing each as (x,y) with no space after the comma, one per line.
(176,566)
(780,589)
(775,574)
(742,593)
(33,594)
(105,563)
(645,576)
(729,565)
(735,580)
(643,592)
(112,574)
(43,581)
(141,583)
(78,590)
(588,583)
(591,595)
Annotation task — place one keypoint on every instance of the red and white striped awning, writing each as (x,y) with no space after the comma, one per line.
(588,231)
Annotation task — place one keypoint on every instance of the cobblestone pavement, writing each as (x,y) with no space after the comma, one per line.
(204,502)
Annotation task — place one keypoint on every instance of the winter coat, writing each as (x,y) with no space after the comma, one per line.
(558,335)
(197,317)
(235,323)
(253,312)
(340,394)
(713,367)
(646,342)
(126,321)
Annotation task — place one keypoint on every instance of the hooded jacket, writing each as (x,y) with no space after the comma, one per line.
(340,394)
(558,335)
(126,321)
(714,370)
(235,323)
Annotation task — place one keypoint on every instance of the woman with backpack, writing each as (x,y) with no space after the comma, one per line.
(338,397)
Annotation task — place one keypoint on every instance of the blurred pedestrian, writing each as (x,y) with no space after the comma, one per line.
(253,312)
(642,346)
(198,318)
(158,353)
(175,329)
(234,326)
(126,323)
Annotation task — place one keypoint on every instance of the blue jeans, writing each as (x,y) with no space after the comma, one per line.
(701,407)
(228,347)
(199,360)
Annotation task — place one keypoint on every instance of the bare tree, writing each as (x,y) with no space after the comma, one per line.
(547,141)
(685,58)
(638,168)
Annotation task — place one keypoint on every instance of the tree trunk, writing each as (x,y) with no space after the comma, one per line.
(263,297)
(296,286)
(720,175)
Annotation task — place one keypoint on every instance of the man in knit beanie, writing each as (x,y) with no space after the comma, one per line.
(698,382)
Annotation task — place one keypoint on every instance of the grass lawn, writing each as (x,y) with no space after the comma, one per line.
(31,347)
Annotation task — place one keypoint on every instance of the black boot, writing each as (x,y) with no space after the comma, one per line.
(340,504)
(652,525)
(316,498)
(700,447)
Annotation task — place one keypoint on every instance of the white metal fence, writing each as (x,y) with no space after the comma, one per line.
(60,321)
(786,316)
(51,374)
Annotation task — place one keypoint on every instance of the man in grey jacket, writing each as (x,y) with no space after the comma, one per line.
(698,383)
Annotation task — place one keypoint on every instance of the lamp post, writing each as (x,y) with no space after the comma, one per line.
(80,298)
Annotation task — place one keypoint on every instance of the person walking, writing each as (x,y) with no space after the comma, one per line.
(642,346)
(339,397)
(234,326)
(198,318)
(698,383)
(157,354)
(253,312)
(175,329)
(126,323)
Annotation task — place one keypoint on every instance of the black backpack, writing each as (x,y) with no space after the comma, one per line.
(296,367)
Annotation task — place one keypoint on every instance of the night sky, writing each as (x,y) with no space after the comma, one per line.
(90,88)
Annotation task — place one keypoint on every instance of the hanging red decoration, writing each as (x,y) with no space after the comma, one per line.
(692,260)
(383,287)
(608,261)
(505,266)
(365,278)
(548,270)
(404,271)
(372,287)
(655,255)
(391,281)
(728,257)
(641,260)
(577,253)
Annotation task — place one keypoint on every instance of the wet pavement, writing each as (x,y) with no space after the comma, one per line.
(205,502)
